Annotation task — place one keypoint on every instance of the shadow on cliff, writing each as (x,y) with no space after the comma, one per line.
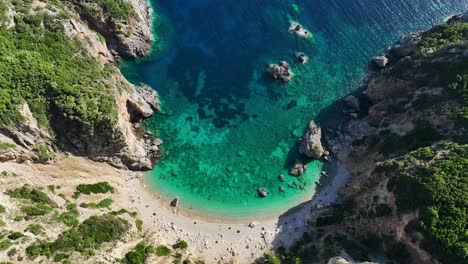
(296,224)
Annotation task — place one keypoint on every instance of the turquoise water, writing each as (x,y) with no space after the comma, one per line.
(227,128)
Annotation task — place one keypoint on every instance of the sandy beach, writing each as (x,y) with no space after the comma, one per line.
(240,242)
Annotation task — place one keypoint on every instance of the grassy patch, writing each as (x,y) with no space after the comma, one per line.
(100,187)
(138,255)
(163,251)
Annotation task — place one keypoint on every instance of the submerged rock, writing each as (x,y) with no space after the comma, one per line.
(311,145)
(302,58)
(280,72)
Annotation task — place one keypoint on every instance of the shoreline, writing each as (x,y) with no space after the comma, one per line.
(217,217)
(217,241)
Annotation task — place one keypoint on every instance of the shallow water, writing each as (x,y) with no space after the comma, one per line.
(229,130)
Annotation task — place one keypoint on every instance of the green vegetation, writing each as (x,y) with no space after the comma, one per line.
(163,251)
(5,244)
(118,9)
(100,187)
(439,190)
(44,154)
(36,210)
(6,146)
(36,229)
(15,235)
(138,255)
(182,244)
(443,35)
(83,238)
(2,209)
(27,193)
(106,203)
(69,217)
(63,86)
(270,258)
(139,225)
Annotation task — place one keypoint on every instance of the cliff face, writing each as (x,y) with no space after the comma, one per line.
(89,109)
(405,146)
(127,30)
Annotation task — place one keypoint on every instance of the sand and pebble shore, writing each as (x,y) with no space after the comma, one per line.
(242,241)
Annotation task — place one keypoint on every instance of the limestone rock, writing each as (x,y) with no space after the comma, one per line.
(380,61)
(298,169)
(338,260)
(311,145)
(280,72)
(406,46)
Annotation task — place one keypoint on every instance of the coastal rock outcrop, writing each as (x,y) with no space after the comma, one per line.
(280,72)
(380,61)
(352,102)
(128,35)
(406,46)
(311,145)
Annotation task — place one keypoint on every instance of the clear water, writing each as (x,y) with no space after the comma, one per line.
(229,130)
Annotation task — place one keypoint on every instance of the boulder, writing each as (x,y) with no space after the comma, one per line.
(352,102)
(280,72)
(406,46)
(298,30)
(311,145)
(298,169)
(380,61)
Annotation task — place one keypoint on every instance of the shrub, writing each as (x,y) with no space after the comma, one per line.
(36,210)
(15,235)
(5,244)
(35,195)
(91,233)
(139,225)
(100,187)
(163,251)
(182,244)
(36,229)
(2,209)
(139,254)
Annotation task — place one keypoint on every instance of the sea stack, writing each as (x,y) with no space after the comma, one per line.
(311,145)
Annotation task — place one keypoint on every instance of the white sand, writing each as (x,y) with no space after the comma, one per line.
(211,241)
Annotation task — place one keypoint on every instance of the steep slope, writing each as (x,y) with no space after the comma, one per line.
(60,89)
(405,146)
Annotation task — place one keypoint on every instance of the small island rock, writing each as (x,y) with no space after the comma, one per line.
(280,72)
(311,145)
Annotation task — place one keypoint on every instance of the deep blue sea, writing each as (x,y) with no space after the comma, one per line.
(227,128)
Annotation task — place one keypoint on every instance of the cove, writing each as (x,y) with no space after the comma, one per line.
(227,128)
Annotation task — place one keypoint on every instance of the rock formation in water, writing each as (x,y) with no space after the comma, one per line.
(280,72)
(311,144)
(298,30)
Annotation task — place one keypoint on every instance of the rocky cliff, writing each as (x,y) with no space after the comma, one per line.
(89,108)
(404,142)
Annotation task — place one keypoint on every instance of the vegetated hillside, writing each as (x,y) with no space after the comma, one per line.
(59,89)
(406,149)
